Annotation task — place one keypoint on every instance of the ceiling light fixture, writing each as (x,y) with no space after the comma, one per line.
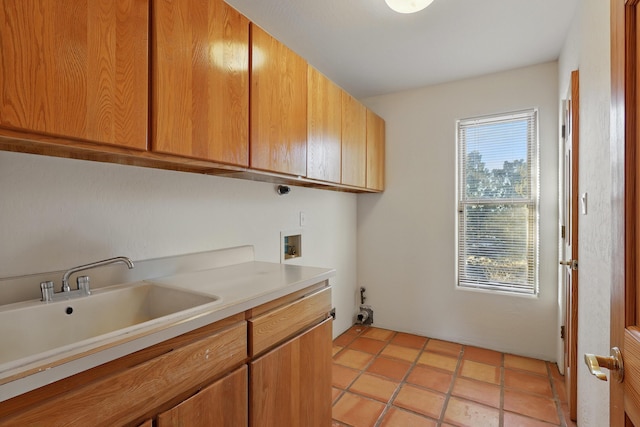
(408,6)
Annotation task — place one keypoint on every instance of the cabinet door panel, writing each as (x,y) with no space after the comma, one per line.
(291,385)
(375,151)
(125,396)
(324,135)
(278,106)
(354,142)
(222,404)
(201,81)
(76,69)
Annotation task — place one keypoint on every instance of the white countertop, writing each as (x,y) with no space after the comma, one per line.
(240,287)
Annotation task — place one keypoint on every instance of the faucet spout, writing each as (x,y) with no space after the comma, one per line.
(68,273)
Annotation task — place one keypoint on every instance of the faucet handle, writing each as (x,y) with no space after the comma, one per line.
(83,285)
(46,289)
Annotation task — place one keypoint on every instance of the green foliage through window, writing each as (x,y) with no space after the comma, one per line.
(498,202)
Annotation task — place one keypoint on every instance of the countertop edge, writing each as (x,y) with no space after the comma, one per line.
(161,332)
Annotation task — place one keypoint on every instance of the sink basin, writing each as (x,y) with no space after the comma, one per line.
(34,327)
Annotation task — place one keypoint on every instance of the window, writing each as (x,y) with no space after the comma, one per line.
(498,202)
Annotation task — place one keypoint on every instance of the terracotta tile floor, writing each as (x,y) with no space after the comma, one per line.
(392,379)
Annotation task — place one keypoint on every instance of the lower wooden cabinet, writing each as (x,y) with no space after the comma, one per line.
(222,404)
(130,390)
(291,384)
(206,377)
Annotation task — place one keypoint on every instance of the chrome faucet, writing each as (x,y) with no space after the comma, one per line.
(83,289)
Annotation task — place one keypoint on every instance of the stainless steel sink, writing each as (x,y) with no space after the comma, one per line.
(32,328)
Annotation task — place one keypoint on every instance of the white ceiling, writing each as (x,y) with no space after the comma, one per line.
(368,49)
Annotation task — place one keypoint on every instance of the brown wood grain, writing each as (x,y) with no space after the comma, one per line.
(93,103)
(291,385)
(632,374)
(279,302)
(354,142)
(275,326)
(76,69)
(20,403)
(324,124)
(572,295)
(624,403)
(278,114)
(128,395)
(222,404)
(200,85)
(375,151)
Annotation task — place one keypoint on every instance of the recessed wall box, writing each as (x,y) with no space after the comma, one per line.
(290,245)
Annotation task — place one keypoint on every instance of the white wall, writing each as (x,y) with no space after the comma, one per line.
(588,49)
(406,236)
(59,213)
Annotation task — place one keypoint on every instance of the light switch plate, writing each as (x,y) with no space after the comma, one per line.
(583,203)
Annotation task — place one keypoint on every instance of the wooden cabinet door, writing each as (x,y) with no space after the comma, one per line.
(76,69)
(375,151)
(129,394)
(223,403)
(291,385)
(200,81)
(354,142)
(324,128)
(278,106)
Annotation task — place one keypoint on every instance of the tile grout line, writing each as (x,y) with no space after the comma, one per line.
(556,396)
(402,381)
(343,392)
(454,377)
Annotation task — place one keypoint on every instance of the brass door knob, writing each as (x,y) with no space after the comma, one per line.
(613,363)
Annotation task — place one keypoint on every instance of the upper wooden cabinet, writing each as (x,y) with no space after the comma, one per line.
(200,93)
(278,106)
(375,151)
(76,69)
(354,142)
(324,128)
(224,97)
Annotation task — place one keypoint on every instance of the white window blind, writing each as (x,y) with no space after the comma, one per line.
(498,202)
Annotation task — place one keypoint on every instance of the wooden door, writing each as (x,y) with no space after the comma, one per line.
(291,385)
(569,238)
(223,403)
(278,120)
(375,151)
(200,71)
(625,166)
(324,124)
(76,70)
(354,142)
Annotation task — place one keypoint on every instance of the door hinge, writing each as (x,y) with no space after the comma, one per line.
(562,332)
(564,131)
(563,232)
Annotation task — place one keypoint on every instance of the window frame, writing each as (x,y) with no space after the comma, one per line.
(462,281)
